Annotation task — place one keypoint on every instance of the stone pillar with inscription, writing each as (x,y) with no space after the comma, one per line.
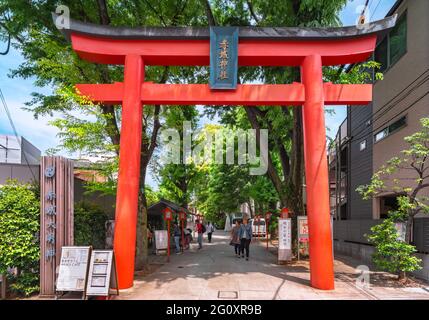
(56,217)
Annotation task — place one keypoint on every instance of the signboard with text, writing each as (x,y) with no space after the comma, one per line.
(73,268)
(285,239)
(161,239)
(223,57)
(302,228)
(102,274)
(285,235)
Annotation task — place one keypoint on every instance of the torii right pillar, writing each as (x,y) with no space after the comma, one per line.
(316,176)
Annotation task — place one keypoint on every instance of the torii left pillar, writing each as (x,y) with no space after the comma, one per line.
(316,176)
(129,168)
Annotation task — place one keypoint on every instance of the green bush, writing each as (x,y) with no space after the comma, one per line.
(392,254)
(89,225)
(19,243)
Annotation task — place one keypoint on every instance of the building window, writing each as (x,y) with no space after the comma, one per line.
(393,46)
(362,145)
(388,204)
(398,124)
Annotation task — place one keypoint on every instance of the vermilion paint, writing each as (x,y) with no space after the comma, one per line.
(312,93)
(246,94)
(316,176)
(129,171)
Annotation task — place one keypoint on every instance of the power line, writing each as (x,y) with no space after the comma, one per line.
(373,116)
(376,7)
(396,103)
(15,131)
(399,93)
(390,119)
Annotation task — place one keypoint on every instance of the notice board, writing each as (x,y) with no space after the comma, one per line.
(102,275)
(285,239)
(302,228)
(73,268)
(161,239)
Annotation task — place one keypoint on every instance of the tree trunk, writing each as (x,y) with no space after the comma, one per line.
(402,276)
(272,171)
(297,164)
(142,257)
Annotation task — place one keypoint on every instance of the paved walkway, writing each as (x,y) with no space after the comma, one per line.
(215,273)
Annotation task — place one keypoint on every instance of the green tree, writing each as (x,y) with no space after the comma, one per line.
(285,161)
(408,187)
(391,253)
(176,180)
(85,128)
(19,243)
(89,225)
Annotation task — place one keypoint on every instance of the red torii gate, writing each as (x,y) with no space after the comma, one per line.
(309,48)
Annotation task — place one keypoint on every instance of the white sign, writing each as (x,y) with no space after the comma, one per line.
(102,273)
(401,228)
(161,239)
(73,268)
(285,234)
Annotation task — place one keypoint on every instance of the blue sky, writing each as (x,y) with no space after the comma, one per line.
(17,91)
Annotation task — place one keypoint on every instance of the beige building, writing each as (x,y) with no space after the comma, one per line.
(402,98)
(373,134)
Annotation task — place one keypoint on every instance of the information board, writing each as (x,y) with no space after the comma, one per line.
(161,239)
(102,273)
(73,268)
(302,228)
(285,236)
(285,240)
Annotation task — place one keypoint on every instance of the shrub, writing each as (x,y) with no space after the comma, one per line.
(89,225)
(391,253)
(19,243)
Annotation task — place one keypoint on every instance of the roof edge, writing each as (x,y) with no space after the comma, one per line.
(379,27)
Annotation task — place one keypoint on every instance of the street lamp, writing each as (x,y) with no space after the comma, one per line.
(284,214)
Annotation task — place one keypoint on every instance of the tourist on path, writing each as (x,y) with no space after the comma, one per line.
(199,228)
(210,229)
(245,235)
(235,239)
(177,234)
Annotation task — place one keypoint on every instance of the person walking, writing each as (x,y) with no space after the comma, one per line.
(245,235)
(199,228)
(235,239)
(210,229)
(177,234)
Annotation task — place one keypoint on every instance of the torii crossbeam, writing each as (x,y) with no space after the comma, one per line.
(309,48)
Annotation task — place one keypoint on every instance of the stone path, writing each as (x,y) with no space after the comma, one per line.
(215,273)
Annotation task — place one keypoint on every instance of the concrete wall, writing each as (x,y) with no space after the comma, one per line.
(400,80)
(21,172)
